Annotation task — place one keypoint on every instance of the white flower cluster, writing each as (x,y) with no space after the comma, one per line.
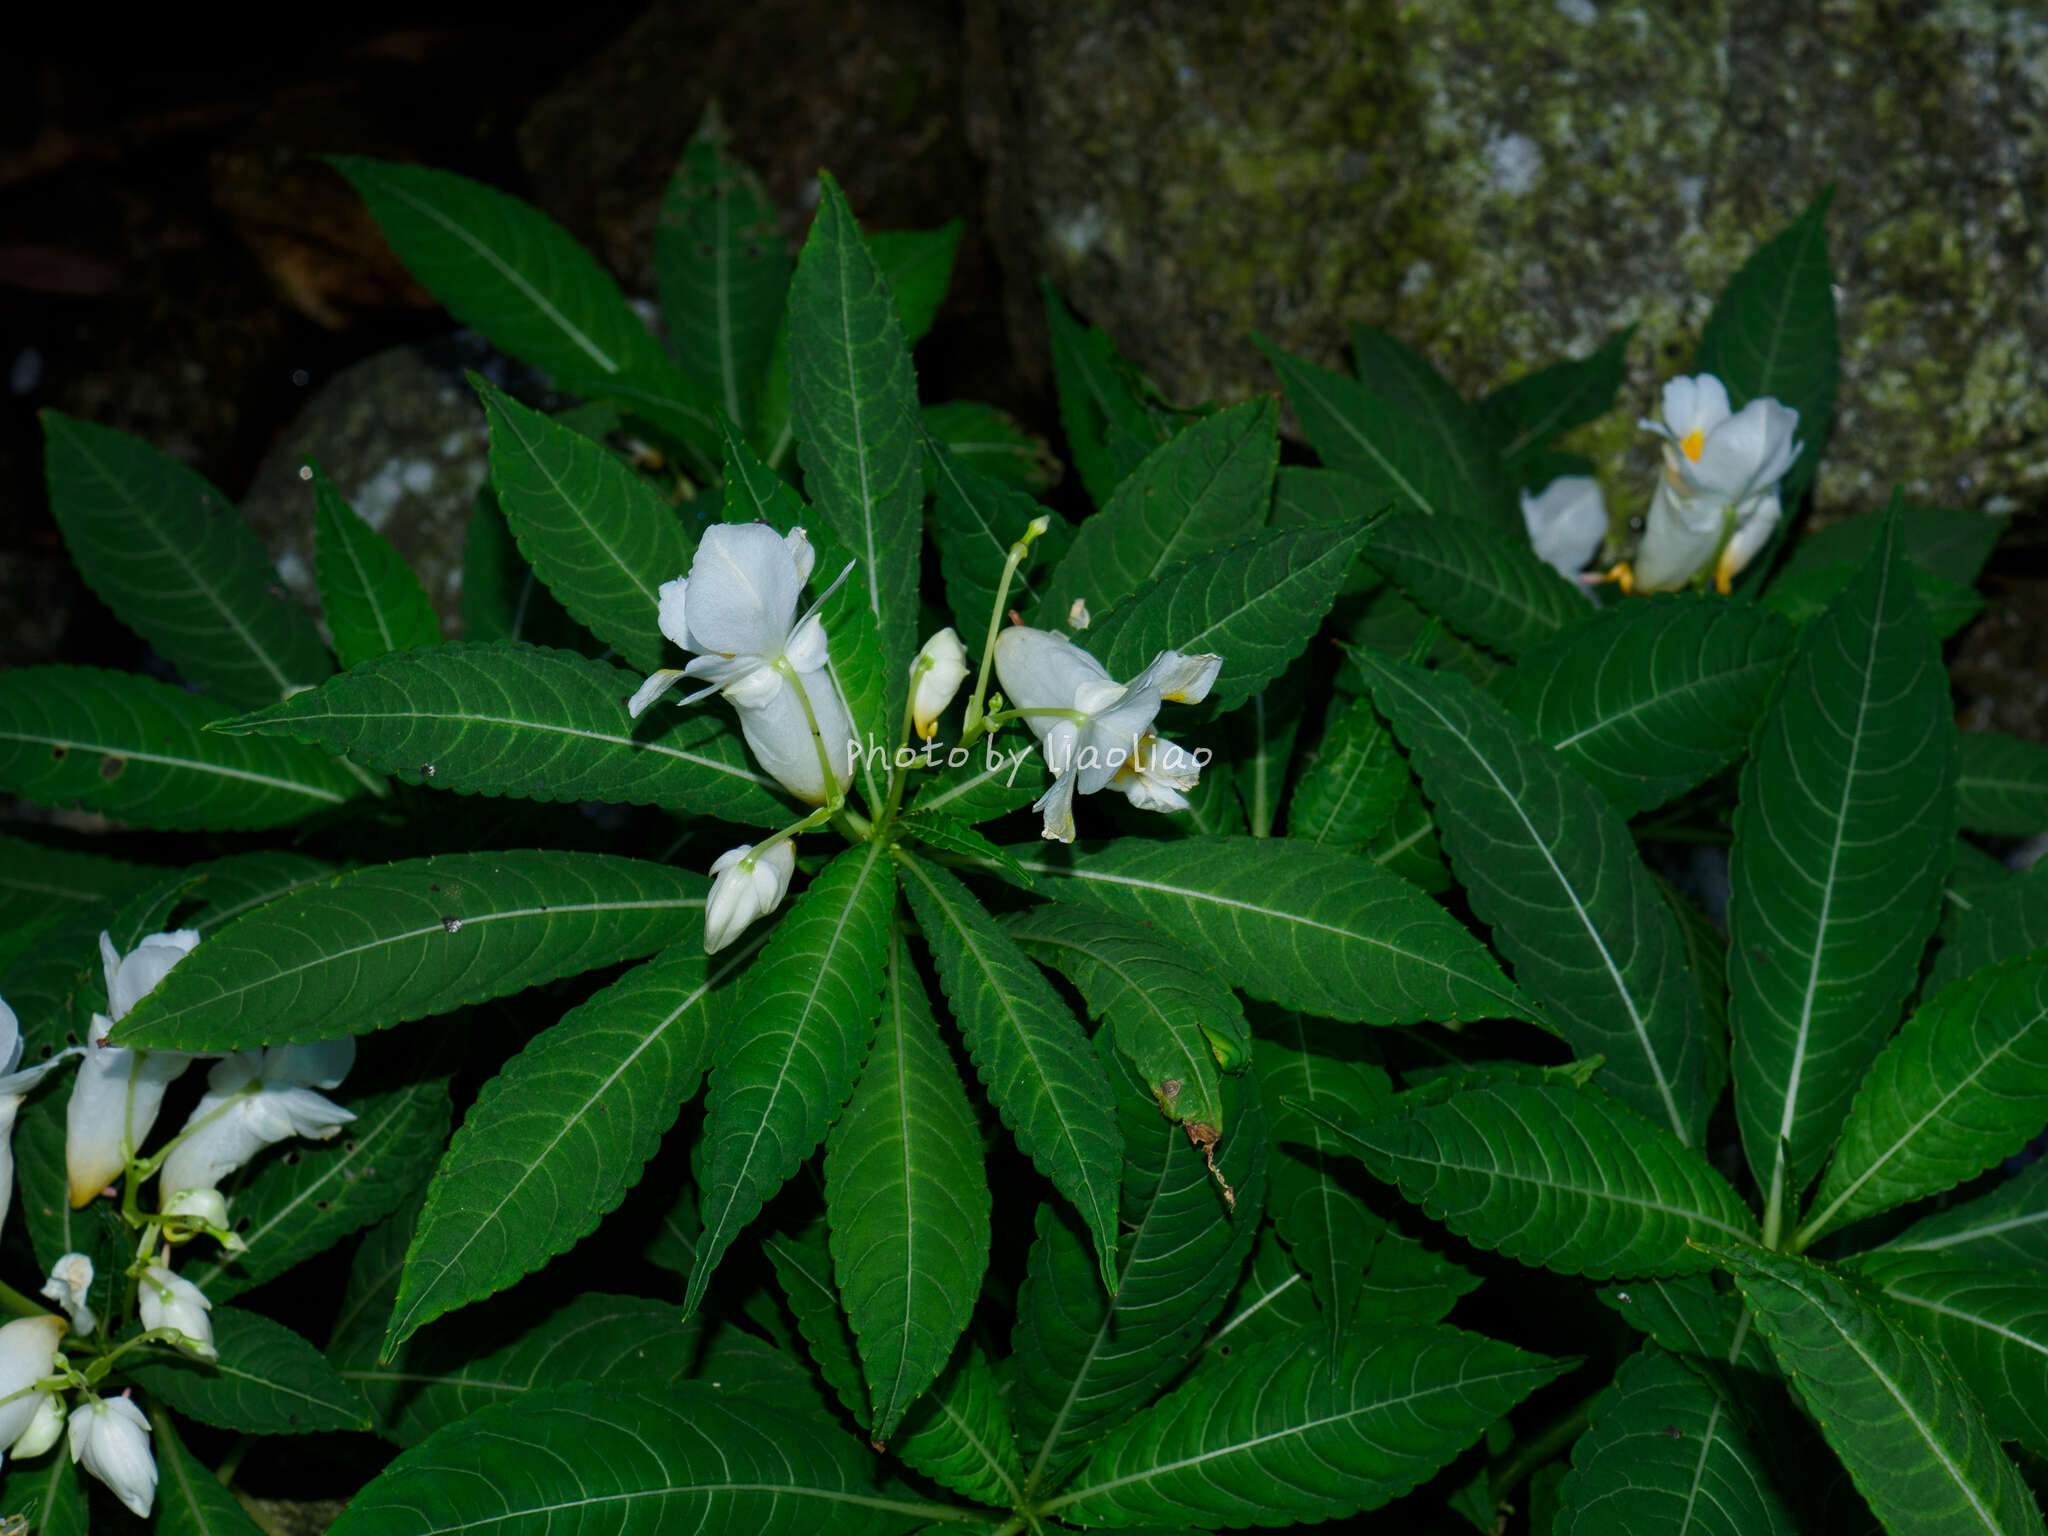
(736,612)
(1715,503)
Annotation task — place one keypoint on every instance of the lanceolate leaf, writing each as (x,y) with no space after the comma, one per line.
(1842,841)
(35,879)
(392,942)
(2007,1225)
(959,1433)
(1908,1431)
(802,1021)
(1551,866)
(510,719)
(601,538)
(1351,786)
(2002,784)
(242,882)
(687,1457)
(1650,697)
(1962,1085)
(908,1201)
(1303,927)
(1533,411)
(268,1380)
(1286,1430)
(2002,924)
(1167,1012)
(1772,333)
(722,270)
(1406,379)
(1492,589)
(993,442)
(502,599)
(1553,1175)
(191,1501)
(1108,424)
(1689,1317)
(174,560)
(918,266)
(1665,1455)
(854,399)
(1988,1321)
(373,601)
(997,776)
(1040,1072)
(1085,1361)
(136,749)
(557,1138)
(1208,486)
(803,1268)
(1256,603)
(974,521)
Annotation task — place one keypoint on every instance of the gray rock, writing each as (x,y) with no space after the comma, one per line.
(403,440)
(1506,185)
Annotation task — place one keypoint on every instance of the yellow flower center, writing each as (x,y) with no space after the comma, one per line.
(1691,443)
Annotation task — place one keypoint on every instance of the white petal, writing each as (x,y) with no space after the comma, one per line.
(1042,670)
(10,1038)
(1677,544)
(115,1097)
(801,554)
(1749,452)
(1057,804)
(44,1430)
(145,965)
(28,1353)
(1695,404)
(1753,527)
(1566,522)
(671,611)
(110,1439)
(313,1064)
(744,588)
(936,675)
(656,685)
(1179,679)
(779,735)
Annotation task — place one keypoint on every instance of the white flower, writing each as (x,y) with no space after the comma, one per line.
(935,676)
(44,1430)
(1101,734)
(745,887)
(118,1092)
(173,1302)
(70,1286)
(737,610)
(1566,520)
(252,1099)
(28,1353)
(14,1087)
(110,1439)
(1718,495)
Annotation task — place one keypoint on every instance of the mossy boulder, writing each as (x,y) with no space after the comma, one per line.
(1502,185)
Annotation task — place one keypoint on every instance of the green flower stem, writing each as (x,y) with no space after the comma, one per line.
(835,797)
(1037,712)
(14,1301)
(817,818)
(1515,1468)
(975,725)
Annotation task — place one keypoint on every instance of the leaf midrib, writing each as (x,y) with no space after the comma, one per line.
(167,760)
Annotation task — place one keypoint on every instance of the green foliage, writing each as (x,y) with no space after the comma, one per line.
(373,601)
(2001,784)
(268,1381)
(1489,589)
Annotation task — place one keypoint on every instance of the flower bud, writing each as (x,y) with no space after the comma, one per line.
(44,1430)
(745,887)
(70,1286)
(110,1439)
(28,1353)
(936,675)
(170,1301)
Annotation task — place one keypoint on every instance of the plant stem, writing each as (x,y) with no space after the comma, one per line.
(975,727)
(14,1301)
(1514,1470)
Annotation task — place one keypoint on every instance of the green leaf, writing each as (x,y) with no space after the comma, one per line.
(908,1201)
(959,1434)
(1084,1361)
(1108,422)
(1262,736)
(301,1201)
(1328,1228)
(854,400)
(1407,380)
(601,538)
(2002,784)
(135,749)
(506,268)
(242,882)
(1554,1175)
(502,599)
(2007,1225)
(1400,461)
(803,1269)
(54,1229)
(1689,1317)
(1163,1006)
(512,719)
(688,1457)
(974,520)
(809,1006)
(191,1501)
(1288,1431)
(722,270)
(1989,1321)
(1803,596)
(1211,484)
(1030,1054)
(35,879)
(1528,414)
(174,560)
(1552,868)
(392,942)
(268,1380)
(2003,924)
(54,1489)
(556,1139)
(1651,697)
(1842,840)
(373,601)
(997,778)
(1494,590)
(1303,927)
(1257,603)
(1665,1455)
(918,266)
(1908,1431)
(1772,332)
(1961,1086)
(445,1375)
(1941,541)
(949,836)
(992,442)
